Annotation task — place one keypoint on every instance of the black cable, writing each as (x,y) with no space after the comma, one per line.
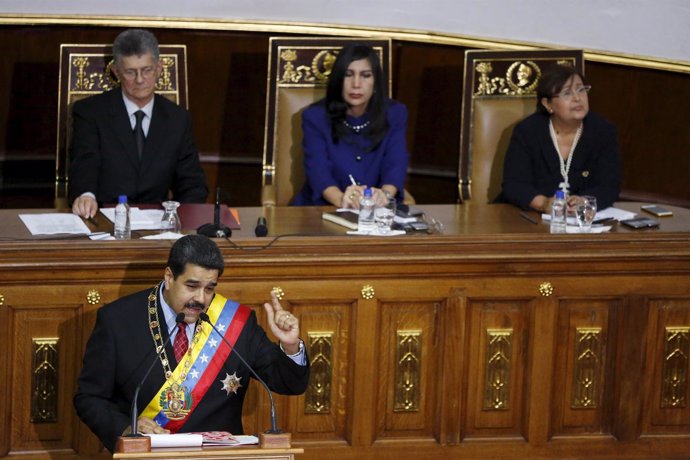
(269,244)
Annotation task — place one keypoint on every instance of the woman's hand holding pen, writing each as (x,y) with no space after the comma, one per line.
(352,195)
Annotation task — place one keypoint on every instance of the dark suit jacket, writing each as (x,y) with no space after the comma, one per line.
(121,349)
(532,168)
(104,158)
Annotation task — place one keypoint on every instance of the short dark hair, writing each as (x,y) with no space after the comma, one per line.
(552,81)
(197,250)
(336,105)
(135,42)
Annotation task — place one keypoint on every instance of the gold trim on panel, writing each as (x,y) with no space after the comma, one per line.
(2,300)
(317,398)
(674,373)
(368,292)
(408,371)
(44,380)
(278,291)
(499,347)
(305,28)
(93,297)
(587,362)
(546,289)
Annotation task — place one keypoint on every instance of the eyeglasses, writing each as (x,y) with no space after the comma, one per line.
(569,93)
(145,72)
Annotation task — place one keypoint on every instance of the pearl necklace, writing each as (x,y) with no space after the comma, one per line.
(357,128)
(565,165)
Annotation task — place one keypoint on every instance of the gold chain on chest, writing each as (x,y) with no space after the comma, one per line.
(155,328)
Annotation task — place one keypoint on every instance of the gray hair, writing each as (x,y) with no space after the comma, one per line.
(135,42)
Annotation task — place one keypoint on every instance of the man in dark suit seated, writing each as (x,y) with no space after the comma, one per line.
(112,153)
(197,383)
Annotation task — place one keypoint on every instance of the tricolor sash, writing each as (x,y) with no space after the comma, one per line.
(183,390)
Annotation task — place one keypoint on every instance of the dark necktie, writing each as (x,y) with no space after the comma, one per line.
(181,342)
(139,132)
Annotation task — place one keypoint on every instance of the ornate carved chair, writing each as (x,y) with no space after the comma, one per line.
(85,70)
(499,90)
(298,70)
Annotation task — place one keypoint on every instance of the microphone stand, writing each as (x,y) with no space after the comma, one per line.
(134,441)
(216,229)
(273,437)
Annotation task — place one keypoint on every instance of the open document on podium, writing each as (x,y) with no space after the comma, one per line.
(206,438)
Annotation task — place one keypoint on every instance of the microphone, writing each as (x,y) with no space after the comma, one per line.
(274,424)
(134,412)
(216,229)
(261,228)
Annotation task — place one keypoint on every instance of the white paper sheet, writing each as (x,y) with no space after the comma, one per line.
(163,236)
(376,233)
(139,219)
(54,223)
(101,236)
(594,229)
(176,440)
(608,213)
(243,439)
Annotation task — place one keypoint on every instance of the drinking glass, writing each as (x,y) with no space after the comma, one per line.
(384,215)
(585,211)
(170,221)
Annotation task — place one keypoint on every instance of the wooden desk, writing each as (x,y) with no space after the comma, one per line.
(494,339)
(214,453)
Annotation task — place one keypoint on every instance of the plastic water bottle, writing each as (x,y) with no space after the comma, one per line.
(123,229)
(367,205)
(558,213)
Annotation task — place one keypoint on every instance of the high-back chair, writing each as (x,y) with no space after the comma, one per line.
(85,70)
(499,91)
(298,70)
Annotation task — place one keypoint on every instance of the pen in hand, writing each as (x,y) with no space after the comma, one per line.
(352,180)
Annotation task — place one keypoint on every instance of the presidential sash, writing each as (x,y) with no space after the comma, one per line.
(186,386)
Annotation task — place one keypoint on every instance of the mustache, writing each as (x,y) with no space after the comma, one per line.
(193,304)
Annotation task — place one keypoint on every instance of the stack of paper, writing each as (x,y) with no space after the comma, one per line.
(54,223)
(139,219)
(604,214)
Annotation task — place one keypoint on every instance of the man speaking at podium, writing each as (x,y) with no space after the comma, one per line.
(196,383)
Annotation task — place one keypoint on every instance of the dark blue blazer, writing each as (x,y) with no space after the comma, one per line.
(327,163)
(104,158)
(532,168)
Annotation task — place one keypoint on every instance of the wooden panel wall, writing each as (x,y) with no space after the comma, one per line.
(458,349)
(227,72)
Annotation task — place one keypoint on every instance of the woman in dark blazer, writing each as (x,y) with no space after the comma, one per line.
(563,144)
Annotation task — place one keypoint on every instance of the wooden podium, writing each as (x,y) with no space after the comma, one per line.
(213,453)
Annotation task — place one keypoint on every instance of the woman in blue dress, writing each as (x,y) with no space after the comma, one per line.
(355,137)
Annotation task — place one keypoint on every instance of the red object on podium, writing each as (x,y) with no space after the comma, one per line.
(194,215)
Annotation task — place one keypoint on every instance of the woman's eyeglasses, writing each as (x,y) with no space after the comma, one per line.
(569,93)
